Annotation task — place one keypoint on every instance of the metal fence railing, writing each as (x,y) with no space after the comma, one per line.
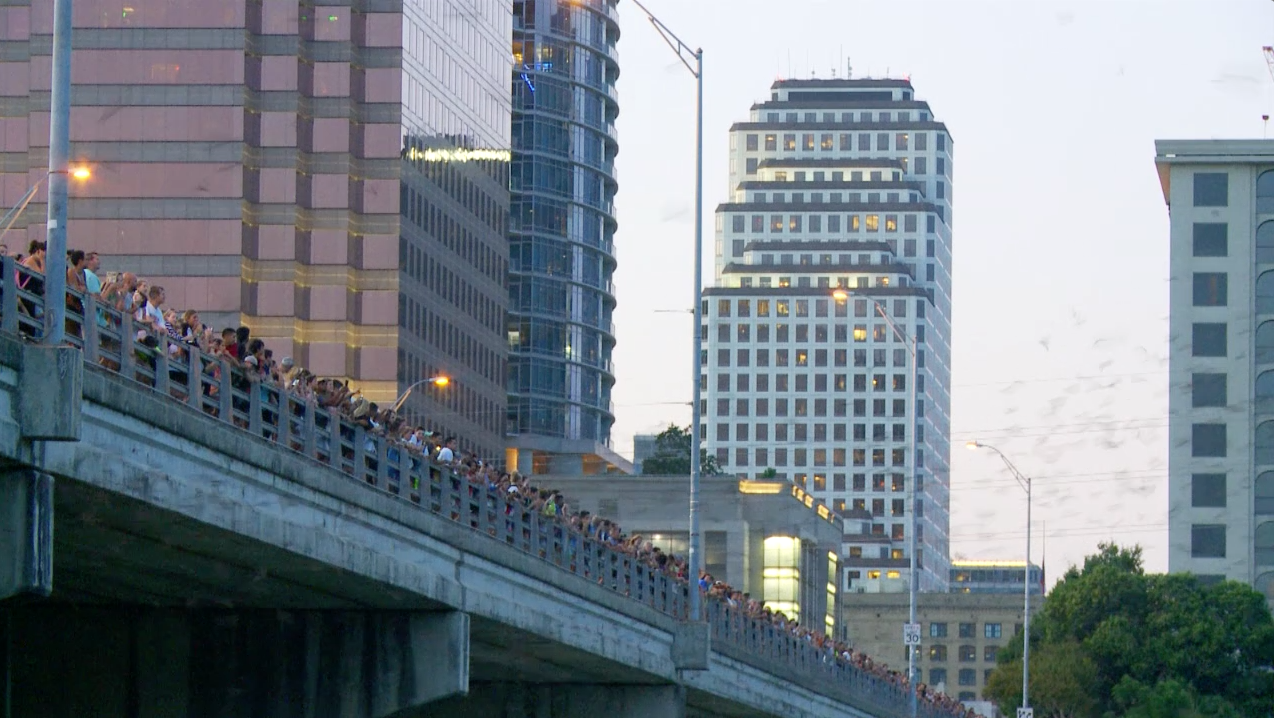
(208,384)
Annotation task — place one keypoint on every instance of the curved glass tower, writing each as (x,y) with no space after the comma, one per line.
(562,227)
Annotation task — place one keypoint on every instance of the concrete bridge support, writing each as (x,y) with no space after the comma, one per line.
(520,700)
(26,533)
(75,662)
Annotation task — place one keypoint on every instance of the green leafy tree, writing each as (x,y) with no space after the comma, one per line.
(769,473)
(1170,698)
(1062,677)
(1153,641)
(672,455)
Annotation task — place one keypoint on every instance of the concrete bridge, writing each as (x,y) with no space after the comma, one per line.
(173,546)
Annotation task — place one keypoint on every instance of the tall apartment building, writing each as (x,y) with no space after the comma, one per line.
(561,235)
(837,184)
(334,177)
(1220,194)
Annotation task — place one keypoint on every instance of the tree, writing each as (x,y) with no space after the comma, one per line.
(1153,641)
(672,455)
(769,473)
(1062,676)
(1168,699)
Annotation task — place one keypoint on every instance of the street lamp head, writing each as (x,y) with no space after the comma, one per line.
(840,295)
(973,446)
(440,380)
(81,173)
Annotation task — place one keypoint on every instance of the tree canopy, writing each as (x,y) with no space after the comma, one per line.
(672,455)
(1111,641)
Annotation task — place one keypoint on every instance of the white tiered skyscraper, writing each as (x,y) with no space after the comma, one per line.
(838,183)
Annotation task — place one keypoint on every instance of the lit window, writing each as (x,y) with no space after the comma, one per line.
(781,576)
(873,223)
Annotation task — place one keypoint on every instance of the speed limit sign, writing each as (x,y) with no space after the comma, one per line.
(911,635)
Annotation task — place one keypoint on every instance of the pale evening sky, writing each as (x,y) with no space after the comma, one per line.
(1060,230)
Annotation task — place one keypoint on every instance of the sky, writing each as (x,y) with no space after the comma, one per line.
(1060,281)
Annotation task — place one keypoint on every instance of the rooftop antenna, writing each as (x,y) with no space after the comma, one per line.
(849,68)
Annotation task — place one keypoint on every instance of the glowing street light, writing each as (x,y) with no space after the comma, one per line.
(10,218)
(438,381)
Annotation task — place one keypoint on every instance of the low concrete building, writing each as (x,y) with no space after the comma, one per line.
(769,539)
(960,634)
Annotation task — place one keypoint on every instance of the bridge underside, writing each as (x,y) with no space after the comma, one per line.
(195,620)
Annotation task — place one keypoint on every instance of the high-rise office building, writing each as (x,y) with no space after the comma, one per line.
(838,184)
(561,235)
(1220,194)
(333,177)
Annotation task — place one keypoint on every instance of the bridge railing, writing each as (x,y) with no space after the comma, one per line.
(115,341)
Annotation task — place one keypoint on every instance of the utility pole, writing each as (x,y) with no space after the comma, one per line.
(59,151)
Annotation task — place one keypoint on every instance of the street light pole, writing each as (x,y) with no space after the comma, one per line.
(59,153)
(435,380)
(695,558)
(913,579)
(1025,482)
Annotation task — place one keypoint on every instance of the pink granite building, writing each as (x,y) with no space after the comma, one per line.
(253,157)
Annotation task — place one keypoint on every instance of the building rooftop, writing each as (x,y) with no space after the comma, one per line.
(1170,152)
(841,83)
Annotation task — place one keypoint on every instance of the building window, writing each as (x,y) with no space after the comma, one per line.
(989,653)
(1211,189)
(1210,289)
(938,653)
(1207,541)
(937,676)
(1264,544)
(1207,491)
(752,143)
(937,630)
(781,575)
(1265,243)
(1208,339)
(968,654)
(1265,494)
(1264,443)
(1207,390)
(991,630)
(968,677)
(1207,440)
(1210,239)
(966,630)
